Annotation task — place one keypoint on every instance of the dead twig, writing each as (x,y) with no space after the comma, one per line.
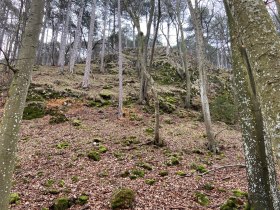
(8,63)
(221,167)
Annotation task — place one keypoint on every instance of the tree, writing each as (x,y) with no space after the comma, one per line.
(13,111)
(77,39)
(263,47)
(89,47)
(201,59)
(261,175)
(61,58)
(102,67)
(120,112)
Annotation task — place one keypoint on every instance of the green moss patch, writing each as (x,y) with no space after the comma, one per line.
(181,173)
(150,181)
(58,118)
(34,110)
(14,198)
(94,155)
(163,173)
(62,145)
(144,165)
(83,199)
(198,168)
(61,204)
(202,199)
(123,198)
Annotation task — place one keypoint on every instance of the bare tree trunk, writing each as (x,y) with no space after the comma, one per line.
(168,36)
(61,57)
(261,174)
(263,45)
(120,110)
(184,55)
(133,36)
(89,47)
(201,58)
(73,56)
(102,67)
(155,33)
(13,111)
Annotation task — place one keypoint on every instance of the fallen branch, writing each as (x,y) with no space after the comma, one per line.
(139,145)
(8,64)
(221,167)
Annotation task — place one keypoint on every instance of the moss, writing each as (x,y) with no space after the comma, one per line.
(239,193)
(144,165)
(135,117)
(119,155)
(208,186)
(137,173)
(222,108)
(53,191)
(149,130)
(61,183)
(122,199)
(150,181)
(102,149)
(125,174)
(58,118)
(106,95)
(127,141)
(62,145)
(14,198)
(181,173)
(34,110)
(61,204)
(232,203)
(76,122)
(202,199)
(107,87)
(163,173)
(83,199)
(75,179)
(198,168)
(94,155)
(99,102)
(173,160)
(166,107)
(49,183)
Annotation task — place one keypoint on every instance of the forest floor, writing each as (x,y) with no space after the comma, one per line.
(52,159)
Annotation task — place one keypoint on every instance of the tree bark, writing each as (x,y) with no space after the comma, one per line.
(120,108)
(201,59)
(102,67)
(89,47)
(263,46)
(73,56)
(261,175)
(61,58)
(13,111)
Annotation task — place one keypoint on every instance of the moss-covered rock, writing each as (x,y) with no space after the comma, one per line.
(58,118)
(122,199)
(202,199)
(83,199)
(232,203)
(163,173)
(94,155)
(14,198)
(61,204)
(181,173)
(106,94)
(150,181)
(198,168)
(34,110)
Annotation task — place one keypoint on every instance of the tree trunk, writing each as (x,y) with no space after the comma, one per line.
(263,46)
(201,58)
(120,111)
(102,67)
(73,56)
(61,57)
(89,47)
(13,111)
(261,175)
(184,55)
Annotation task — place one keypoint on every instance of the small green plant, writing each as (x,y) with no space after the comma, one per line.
(61,204)
(102,149)
(150,181)
(58,118)
(173,160)
(144,165)
(135,173)
(83,199)
(62,145)
(76,123)
(163,173)
(239,193)
(122,199)
(14,198)
(94,155)
(202,199)
(208,186)
(49,183)
(61,183)
(198,168)
(181,173)
(75,179)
